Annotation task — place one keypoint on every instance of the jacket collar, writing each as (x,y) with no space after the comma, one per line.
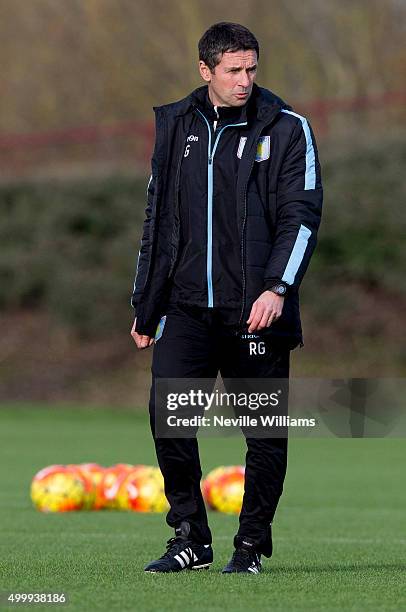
(202,102)
(262,102)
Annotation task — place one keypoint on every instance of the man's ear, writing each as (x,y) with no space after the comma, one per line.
(205,72)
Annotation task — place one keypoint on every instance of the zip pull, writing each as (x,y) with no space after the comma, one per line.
(216,121)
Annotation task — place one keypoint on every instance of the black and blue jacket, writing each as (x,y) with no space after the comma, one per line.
(234,205)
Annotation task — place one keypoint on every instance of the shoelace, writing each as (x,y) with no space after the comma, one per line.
(242,557)
(173,546)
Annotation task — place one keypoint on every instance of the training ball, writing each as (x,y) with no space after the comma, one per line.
(59,488)
(142,490)
(223,489)
(93,475)
(110,484)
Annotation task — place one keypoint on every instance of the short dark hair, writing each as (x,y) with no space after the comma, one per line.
(222,37)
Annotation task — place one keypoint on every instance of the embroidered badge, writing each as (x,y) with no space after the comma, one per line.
(160,328)
(263,148)
(241,146)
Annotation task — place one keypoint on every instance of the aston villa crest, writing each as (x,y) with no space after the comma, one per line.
(263,148)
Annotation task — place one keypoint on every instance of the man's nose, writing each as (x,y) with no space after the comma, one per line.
(244,79)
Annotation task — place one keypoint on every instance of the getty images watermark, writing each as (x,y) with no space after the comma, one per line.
(218,400)
(256,407)
(268,408)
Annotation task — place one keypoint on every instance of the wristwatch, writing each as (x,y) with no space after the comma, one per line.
(279,289)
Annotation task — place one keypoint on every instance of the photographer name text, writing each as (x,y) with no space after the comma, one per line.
(241,421)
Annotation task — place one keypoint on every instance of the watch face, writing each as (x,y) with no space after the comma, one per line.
(280,289)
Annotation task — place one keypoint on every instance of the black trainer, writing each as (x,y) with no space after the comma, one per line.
(182,553)
(245,559)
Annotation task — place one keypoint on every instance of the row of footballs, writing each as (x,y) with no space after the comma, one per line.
(140,488)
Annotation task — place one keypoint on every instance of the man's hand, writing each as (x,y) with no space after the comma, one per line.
(141,341)
(266,309)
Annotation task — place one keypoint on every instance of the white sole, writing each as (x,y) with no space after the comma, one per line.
(200,567)
(194,567)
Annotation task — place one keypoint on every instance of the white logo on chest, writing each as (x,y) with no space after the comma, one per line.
(190,138)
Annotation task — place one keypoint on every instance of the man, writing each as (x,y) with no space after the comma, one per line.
(234,205)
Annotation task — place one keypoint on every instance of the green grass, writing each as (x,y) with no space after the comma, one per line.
(339,534)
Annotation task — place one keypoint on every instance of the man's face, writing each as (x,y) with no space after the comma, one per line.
(231,82)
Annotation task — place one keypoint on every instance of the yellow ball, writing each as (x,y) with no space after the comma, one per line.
(92,474)
(223,489)
(59,488)
(110,484)
(142,490)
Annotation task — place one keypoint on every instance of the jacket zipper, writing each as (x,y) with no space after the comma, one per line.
(210,156)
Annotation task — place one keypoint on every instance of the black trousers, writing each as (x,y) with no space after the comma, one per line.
(197,343)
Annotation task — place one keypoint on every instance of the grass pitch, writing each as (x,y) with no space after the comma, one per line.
(339,533)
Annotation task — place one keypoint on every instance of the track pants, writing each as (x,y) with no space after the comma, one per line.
(195,343)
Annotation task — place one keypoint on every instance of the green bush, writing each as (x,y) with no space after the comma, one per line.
(72,249)
(362,237)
